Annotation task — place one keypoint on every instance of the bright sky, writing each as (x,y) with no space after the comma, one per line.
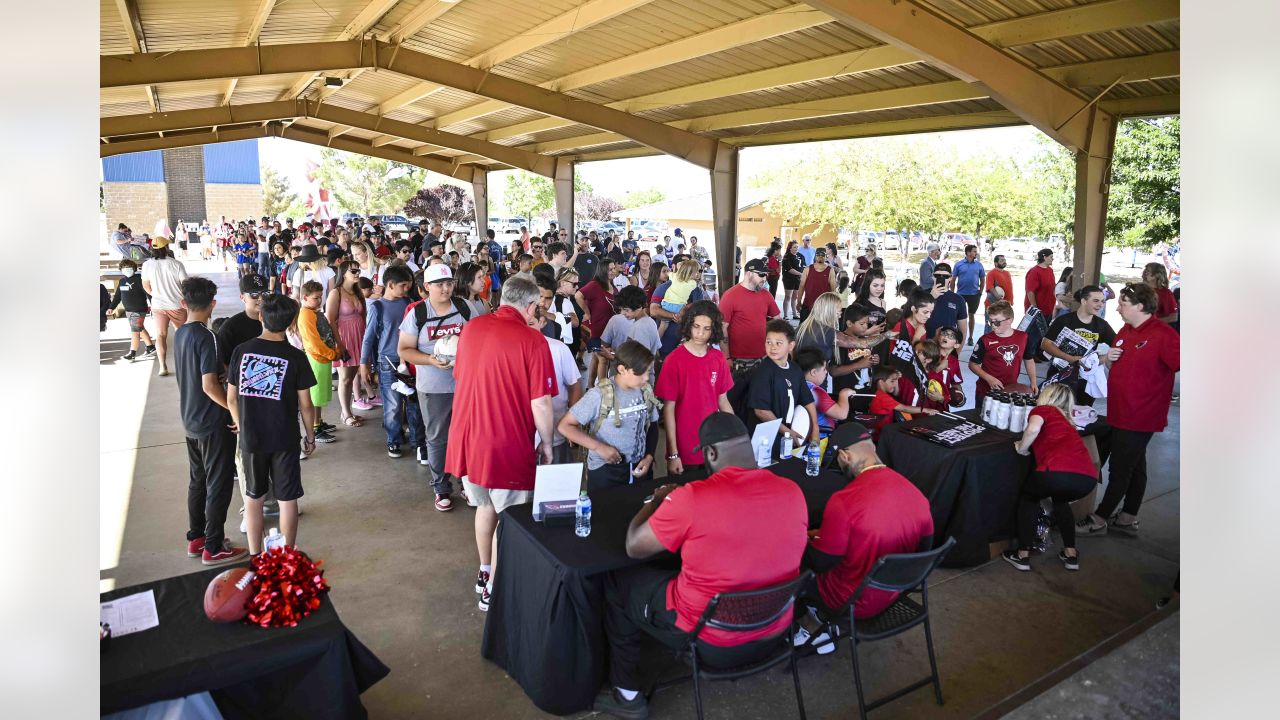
(676,178)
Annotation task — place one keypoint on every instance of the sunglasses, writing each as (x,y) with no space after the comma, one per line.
(998,323)
(255,295)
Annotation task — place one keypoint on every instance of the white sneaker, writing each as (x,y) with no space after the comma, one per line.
(422,456)
(244,525)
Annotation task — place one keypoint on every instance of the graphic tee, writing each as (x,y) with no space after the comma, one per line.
(1000,357)
(267,375)
(195,353)
(1078,338)
(433,380)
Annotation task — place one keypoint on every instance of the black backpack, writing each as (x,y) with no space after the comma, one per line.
(460,307)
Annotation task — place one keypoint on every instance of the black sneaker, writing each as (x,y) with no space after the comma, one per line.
(1086,528)
(327,427)
(1021,563)
(611,701)
(324,436)
(129,356)
(393,450)
(1069,562)
(150,353)
(482,580)
(422,456)
(1130,529)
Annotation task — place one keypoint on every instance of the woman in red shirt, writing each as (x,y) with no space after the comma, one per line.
(775,267)
(1063,471)
(1156,277)
(1144,360)
(816,279)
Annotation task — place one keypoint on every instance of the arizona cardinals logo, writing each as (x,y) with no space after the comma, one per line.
(1008,353)
(1140,345)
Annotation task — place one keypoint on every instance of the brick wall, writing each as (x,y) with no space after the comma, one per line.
(184,183)
(136,204)
(237,202)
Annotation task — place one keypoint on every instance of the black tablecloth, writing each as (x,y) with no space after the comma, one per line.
(315,670)
(545,624)
(972,488)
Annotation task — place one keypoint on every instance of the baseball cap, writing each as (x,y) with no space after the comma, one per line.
(718,427)
(159,241)
(848,434)
(253,282)
(757,266)
(436,273)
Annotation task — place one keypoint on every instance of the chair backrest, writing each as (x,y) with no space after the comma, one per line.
(748,610)
(903,571)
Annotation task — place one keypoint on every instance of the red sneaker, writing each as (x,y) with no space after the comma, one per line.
(195,547)
(227,554)
(443,503)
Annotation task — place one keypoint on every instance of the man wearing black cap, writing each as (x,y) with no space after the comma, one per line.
(879,512)
(747,307)
(739,529)
(241,327)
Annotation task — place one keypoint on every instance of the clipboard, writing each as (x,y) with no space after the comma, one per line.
(556,482)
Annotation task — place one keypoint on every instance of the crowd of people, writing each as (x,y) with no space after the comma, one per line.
(581,347)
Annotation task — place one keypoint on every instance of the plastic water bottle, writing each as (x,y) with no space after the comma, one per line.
(582,515)
(764,454)
(812,460)
(273,540)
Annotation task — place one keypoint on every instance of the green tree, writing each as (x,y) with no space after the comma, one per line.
(277,199)
(639,198)
(1145,204)
(368,185)
(528,196)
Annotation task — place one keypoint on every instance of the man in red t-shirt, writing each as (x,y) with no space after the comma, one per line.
(739,529)
(746,308)
(505,380)
(878,513)
(1144,360)
(1040,284)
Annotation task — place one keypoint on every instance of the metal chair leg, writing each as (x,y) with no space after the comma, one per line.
(697,689)
(795,674)
(857,675)
(933,663)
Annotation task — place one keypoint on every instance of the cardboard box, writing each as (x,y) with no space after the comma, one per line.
(1085,505)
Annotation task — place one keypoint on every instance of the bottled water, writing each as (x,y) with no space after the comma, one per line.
(273,540)
(582,515)
(764,454)
(812,460)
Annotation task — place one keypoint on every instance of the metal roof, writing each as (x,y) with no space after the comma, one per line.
(685,73)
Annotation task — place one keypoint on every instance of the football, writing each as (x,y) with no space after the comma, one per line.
(226,599)
(446,348)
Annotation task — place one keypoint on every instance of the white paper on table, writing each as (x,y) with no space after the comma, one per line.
(130,614)
(555,482)
(766,431)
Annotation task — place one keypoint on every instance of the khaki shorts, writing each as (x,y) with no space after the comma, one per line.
(499,499)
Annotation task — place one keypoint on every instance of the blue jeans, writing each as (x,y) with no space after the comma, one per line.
(264,265)
(392,402)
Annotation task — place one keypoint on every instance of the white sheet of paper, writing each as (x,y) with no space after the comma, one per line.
(130,614)
(767,431)
(555,482)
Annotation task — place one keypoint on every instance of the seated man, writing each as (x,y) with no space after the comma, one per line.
(878,513)
(739,529)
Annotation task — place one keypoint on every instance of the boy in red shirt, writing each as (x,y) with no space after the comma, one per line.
(995,358)
(886,402)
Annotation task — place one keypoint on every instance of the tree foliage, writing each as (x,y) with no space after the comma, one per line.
(277,197)
(591,206)
(1145,203)
(638,198)
(528,196)
(367,185)
(446,204)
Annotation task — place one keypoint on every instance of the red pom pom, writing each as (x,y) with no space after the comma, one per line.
(287,587)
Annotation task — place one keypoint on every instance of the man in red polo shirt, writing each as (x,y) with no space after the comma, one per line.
(746,309)
(1040,284)
(739,529)
(505,380)
(1146,356)
(878,513)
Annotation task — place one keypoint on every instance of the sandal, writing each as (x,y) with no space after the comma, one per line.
(353,421)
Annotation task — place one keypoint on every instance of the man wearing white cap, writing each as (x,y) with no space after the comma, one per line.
(932,253)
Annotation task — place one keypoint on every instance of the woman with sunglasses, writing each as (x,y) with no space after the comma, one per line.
(345,311)
(566,306)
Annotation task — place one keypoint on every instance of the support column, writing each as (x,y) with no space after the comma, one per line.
(724,213)
(564,195)
(1093,185)
(480,191)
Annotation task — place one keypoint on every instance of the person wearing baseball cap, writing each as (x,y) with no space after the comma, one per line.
(742,528)
(747,307)
(878,513)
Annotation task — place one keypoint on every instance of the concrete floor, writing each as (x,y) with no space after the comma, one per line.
(402,577)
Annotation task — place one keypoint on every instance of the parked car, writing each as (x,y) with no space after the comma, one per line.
(353,217)
(392,223)
(511,226)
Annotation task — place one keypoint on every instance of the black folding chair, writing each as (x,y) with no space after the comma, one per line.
(747,611)
(904,573)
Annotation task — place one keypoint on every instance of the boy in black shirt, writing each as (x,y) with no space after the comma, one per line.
(270,382)
(211,440)
(778,388)
(137,303)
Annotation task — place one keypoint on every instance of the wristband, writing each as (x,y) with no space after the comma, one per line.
(674,457)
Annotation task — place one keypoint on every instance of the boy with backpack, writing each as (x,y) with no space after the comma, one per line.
(379,349)
(427,323)
(617,422)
